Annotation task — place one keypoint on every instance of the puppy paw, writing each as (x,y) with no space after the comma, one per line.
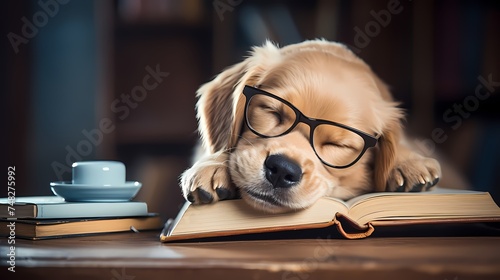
(414,175)
(206,182)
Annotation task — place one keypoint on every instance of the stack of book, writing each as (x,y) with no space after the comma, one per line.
(42,217)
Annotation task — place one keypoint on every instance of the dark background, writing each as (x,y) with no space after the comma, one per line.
(66,64)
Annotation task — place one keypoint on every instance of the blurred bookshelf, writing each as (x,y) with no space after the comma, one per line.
(431,54)
(155,133)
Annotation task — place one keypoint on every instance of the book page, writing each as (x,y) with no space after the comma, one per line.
(436,190)
(35,200)
(439,204)
(232,215)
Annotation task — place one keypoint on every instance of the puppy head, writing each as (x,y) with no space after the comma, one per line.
(322,80)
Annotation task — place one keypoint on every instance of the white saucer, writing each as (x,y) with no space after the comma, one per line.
(93,193)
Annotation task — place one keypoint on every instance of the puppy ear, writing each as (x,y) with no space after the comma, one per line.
(217,109)
(385,157)
(389,141)
(221,103)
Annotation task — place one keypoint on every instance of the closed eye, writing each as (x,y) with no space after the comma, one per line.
(337,153)
(278,117)
(272,111)
(339,145)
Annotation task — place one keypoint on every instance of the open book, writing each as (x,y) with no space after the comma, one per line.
(363,214)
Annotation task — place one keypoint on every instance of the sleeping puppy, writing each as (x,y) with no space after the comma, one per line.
(290,125)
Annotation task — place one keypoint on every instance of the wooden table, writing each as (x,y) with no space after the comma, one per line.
(135,256)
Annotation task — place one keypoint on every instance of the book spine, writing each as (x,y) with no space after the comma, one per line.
(91,210)
(355,235)
(361,231)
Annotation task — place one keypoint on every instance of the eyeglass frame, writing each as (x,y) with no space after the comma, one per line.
(369,140)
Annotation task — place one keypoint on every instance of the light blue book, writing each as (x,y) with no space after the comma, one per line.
(54,207)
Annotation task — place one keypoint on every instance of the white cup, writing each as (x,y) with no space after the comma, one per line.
(98,173)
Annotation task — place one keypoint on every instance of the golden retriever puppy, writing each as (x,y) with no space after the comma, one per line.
(290,125)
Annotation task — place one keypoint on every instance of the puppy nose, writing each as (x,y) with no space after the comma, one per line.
(282,172)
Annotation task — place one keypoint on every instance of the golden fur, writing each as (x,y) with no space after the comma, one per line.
(324,80)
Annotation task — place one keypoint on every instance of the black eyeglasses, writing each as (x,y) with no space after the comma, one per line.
(335,144)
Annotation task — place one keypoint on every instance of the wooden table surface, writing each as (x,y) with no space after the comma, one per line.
(135,256)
